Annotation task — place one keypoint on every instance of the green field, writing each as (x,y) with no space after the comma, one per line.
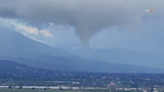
(25,90)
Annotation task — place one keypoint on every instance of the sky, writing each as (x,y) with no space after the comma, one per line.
(72,24)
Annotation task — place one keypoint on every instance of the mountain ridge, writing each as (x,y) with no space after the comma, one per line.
(16,47)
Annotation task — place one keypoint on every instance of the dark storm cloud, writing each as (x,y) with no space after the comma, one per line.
(87,16)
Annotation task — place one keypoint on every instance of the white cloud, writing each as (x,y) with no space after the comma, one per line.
(46,33)
(21,27)
(29,29)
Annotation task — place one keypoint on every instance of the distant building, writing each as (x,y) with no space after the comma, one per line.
(36,87)
(111,84)
(15,87)
(75,82)
(54,87)
(4,87)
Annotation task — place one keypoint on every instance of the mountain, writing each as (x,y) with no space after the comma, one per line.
(120,56)
(75,63)
(15,44)
(10,67)
(16,47)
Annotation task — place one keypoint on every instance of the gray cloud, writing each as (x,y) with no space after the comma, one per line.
(149,38)
(87,16)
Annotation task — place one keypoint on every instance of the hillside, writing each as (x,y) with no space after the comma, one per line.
(16,47)
(10,67)
(120,56)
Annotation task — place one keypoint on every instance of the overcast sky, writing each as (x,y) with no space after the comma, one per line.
(100,25)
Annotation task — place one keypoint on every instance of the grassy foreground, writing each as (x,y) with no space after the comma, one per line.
(26,90)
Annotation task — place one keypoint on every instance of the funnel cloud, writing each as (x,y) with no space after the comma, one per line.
(87,16)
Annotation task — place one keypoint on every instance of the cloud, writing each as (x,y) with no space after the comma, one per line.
(29,29)
(87,16)
(46,33)
(5,26)
(149,38)
(56,36)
